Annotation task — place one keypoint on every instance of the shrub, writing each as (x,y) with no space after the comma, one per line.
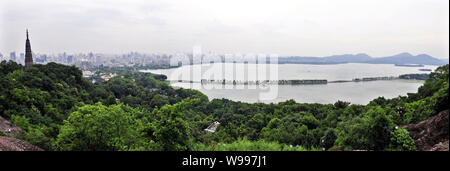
(401,140)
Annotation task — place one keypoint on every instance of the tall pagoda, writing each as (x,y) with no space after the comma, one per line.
(28,55)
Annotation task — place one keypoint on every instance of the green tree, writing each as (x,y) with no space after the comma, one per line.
(380,127)
(101,128)
(418,111)
(401,140)
(328,140)
(170,131)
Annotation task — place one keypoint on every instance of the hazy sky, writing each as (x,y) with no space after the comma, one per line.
(305,28)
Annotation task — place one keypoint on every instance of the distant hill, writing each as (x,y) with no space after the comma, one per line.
(406,58)
(402,58)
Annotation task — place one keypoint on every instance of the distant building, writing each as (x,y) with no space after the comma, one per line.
(28,55)
(12,56)
(44,58)
(69,59)
(21,58)
(98,60)
(212,128)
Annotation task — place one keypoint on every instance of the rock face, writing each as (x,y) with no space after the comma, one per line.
(8,128)
(442,146)
(431,134)
(13,144)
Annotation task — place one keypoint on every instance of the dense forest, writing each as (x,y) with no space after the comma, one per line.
(58,109)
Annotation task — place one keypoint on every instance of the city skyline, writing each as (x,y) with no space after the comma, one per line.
(306,28)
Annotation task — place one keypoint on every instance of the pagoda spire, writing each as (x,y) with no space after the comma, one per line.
(28,54)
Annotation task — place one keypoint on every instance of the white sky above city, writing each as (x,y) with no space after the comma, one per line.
(287,28)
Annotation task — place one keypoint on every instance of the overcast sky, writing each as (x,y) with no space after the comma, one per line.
(304,28)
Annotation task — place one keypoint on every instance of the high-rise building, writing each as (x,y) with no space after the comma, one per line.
(12,56)
(21,58)
(63,59)
(28,55)
(69,59)
(44,58)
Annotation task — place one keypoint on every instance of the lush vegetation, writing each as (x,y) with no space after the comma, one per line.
(243,144)
(414,76)
(58,109)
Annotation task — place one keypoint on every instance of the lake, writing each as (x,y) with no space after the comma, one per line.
(354,92)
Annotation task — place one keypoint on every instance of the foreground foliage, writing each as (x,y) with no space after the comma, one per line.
(243,144)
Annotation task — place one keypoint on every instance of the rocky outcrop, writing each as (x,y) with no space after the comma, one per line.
(431,134)
(7,143)
(8,128)
(442,146)
(13,144)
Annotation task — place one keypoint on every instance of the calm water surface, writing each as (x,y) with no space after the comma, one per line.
(354,92)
